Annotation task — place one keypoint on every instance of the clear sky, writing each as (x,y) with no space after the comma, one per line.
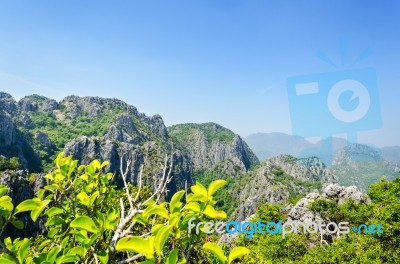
(199,61)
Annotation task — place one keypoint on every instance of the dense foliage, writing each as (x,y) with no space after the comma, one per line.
(9,164)
(354,247)
(88,220)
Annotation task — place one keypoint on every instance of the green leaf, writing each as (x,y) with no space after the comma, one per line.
(137,244)
(59,158)
(17,223)
(215,186)
(198,188)
(103,257)
(161,238)
(3,190)
(35,213)
(6,259)
(55,221)
(196,198)
(156,228)
(175,203)
(23,249)
(52,254)
(52,187)
(83,198)
(172,257)
(44,244)
(90,169)
(193,206)
(53,211)
(53,231)
(174,219)
(84,223)
(49,176)
(104,164)
(155,210)
(67,259)
(236,253)
(6,204)
(27,205)
(79,251)
(216,251)
(96,164)
(93,198)
(72,167)
(40,193)
(212,213)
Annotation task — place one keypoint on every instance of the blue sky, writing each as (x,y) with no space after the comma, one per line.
(199,61)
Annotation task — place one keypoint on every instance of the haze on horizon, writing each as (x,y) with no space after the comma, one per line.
(225,62)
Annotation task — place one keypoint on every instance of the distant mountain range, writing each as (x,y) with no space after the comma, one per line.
(349,163)
(267,145)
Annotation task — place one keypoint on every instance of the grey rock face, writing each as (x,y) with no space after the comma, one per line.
(33,103)
(333,192)
(124,130)
(96,106)
(7,103)
(204,147)
(340,194)
(8,132)
(43,139)
(86,149)
(12,144)
(22,186)
(276,179)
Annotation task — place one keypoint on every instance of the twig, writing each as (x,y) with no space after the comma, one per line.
(131,259)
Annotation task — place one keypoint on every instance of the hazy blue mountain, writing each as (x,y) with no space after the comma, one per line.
(266,145)
(362,165)
(391,154)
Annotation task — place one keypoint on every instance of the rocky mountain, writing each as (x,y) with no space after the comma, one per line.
(282,179)
(351,164)
(36,128)
(362,165)
(209,144)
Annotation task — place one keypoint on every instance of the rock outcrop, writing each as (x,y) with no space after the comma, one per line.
(209,144)
(23,185)
(332,192)
(277,180)
(149,154)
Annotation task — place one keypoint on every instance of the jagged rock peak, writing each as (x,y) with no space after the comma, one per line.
(7,103)
(208,144)
(32,103)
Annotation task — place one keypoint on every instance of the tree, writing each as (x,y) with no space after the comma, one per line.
(89,221)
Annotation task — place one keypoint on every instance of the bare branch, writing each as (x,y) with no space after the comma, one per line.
(131,259)
(122,208)
(137,207)
(139,183)
(124,174)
